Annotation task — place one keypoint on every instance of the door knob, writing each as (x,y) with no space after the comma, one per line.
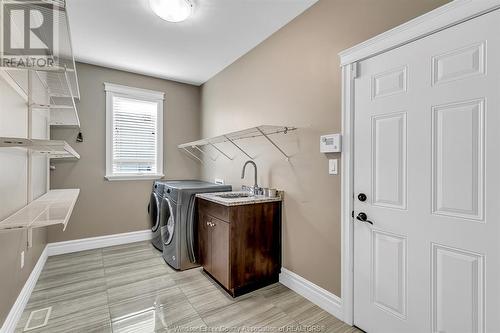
(362,197)
(363,218)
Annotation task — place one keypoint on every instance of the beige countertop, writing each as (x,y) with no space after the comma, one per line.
(253,199)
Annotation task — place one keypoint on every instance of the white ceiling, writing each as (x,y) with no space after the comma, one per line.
(126,34)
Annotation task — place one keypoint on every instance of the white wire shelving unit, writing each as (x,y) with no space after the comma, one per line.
(48,83)
(265,131)
(55,85)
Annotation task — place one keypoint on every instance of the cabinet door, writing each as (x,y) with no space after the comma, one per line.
(220,252)
(204,242)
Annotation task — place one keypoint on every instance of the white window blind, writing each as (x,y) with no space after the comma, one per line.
(134,119)
(134,136)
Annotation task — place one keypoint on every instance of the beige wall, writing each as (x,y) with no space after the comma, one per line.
(14,195)
(293,78)
(105,207)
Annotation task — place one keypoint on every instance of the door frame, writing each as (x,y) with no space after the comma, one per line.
(446,16)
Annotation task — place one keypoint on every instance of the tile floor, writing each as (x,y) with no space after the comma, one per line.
(129,288)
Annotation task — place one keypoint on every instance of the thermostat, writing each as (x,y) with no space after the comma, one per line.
(331,143)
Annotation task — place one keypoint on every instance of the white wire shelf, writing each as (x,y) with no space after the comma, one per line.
(233,137)
(56,85)
(54,207)
(56,149)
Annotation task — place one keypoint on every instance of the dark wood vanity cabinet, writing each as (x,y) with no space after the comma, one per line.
(240,246)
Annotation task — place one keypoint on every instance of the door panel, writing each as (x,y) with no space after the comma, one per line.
(457,290)
(393,81)
(458,170)
(459,64)
(389,160)
(389,272)
(426,154)
(204,242)
(220,252)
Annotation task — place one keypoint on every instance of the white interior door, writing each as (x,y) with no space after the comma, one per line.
(427,157)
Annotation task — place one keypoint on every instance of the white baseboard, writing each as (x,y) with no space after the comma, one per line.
(317,295)
(17,309)
(97,242)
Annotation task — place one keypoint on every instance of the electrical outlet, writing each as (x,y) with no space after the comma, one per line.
(22,260)
(333,167)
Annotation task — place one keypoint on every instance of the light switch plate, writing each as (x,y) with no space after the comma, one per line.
(333,167)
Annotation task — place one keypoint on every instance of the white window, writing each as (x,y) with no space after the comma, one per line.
(134,133)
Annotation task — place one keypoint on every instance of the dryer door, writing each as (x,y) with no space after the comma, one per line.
(154,212)
(168,221)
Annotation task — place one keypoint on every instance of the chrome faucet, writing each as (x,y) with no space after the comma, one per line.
(255,189)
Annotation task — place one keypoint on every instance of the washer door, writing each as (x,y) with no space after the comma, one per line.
(168,222)
(154,212)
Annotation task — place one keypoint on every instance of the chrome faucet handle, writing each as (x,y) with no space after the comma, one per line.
(255,190)
(258,191)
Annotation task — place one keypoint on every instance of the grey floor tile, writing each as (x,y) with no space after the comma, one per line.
(138,289)
(129,288)
(72,259)
(315,316)
(51,281)
(71,291)
(209,299)
(82,265)
(123,257)
(238,317)
(139,271)
(155,261)
(131,247)
(166,309)
(194,281)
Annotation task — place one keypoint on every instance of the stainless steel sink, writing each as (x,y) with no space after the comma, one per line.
(235,195)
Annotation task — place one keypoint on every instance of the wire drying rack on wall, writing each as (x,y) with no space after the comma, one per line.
(265,131)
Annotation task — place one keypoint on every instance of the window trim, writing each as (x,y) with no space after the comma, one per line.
(158,97)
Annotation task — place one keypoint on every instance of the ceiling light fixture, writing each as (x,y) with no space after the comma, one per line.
(172,10)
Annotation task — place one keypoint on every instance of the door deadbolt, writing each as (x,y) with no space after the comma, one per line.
(362,197)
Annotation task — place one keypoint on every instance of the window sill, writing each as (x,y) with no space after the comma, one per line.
(134,177)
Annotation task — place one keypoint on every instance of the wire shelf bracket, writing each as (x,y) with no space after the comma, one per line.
(193,155)
(274,143)
(205,153)
(241,149)
(220,151)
